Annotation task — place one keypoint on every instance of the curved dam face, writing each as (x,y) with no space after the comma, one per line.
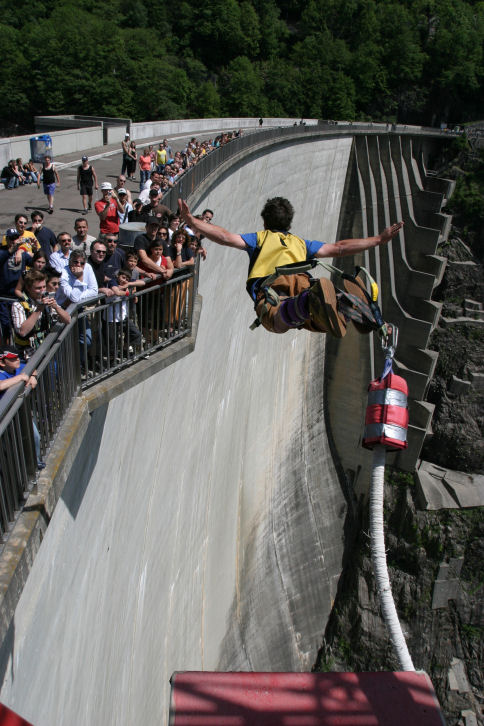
(202,524)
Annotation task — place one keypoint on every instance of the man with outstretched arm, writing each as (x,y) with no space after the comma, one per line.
(294,299)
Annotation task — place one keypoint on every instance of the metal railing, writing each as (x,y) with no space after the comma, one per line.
(104,337)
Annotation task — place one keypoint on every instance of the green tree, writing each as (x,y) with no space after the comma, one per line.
(242,87)
(205,101)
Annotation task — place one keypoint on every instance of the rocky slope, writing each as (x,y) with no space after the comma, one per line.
(435,558)
(444,625)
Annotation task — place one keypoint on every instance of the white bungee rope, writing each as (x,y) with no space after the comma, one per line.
(378,557)
(387,398)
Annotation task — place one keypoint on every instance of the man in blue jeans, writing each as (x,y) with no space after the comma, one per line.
(11,374)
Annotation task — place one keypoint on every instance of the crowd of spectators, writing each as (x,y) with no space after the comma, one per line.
(42,271)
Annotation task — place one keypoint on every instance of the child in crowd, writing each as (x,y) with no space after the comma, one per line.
(123,334)
(155,253)
(39,261)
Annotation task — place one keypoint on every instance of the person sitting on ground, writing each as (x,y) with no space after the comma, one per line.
(82,240)
(20,168)
(11,176)
(60,259)
(32,316)
(299,301)
(39,261)
(45,236)
(30,172)
(107,210)
(184,256)
(86,179)
(114,259)
(11,374)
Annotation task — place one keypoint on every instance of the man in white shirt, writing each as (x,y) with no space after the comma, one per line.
(78,285)
(60,259)
(78,281)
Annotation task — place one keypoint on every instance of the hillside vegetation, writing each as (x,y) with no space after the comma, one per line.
(418,61)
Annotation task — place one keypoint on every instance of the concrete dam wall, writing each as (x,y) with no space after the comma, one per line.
(202,524)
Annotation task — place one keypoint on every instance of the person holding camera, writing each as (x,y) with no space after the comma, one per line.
(33,316)
(107,210)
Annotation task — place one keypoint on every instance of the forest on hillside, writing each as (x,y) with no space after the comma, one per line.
(413,61)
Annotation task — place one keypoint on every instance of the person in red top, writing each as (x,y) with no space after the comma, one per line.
(107,210)
(144,168)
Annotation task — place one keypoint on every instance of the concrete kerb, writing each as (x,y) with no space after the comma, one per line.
(28,531)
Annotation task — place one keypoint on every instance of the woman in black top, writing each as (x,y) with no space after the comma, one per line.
(86,178)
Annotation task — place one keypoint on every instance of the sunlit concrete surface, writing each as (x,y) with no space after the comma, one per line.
(202,524)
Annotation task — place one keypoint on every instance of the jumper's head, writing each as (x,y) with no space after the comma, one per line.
(277,214)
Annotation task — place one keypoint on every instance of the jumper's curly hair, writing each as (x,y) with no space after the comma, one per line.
(277,214)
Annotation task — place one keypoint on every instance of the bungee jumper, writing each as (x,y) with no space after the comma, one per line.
(285,296)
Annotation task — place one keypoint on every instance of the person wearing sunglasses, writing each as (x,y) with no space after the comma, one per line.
(96,260)
(78,281)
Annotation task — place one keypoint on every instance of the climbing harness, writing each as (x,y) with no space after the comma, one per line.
(365,312)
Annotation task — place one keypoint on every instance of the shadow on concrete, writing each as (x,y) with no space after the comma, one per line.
(6,652)
(85,462)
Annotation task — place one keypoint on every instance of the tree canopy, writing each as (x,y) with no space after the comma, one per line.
(415,61)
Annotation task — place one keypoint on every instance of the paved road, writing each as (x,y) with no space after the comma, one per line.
(68,202)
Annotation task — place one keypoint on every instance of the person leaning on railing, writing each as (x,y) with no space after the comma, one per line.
(79,285)
(11,374)
(33,316)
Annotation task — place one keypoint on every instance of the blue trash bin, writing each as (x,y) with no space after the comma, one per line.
(40,147)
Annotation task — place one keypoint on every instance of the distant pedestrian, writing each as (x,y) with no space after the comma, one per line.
(133,157)
(50,178)
(86,179)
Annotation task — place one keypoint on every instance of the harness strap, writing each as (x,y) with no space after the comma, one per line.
(355,308)
(271,299)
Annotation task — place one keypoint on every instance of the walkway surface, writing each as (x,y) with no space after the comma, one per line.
(202,524)
(68,202)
